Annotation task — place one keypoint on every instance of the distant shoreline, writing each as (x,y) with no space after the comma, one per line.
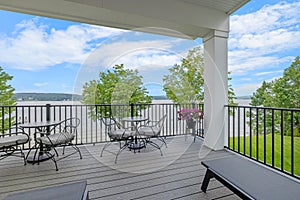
(241,102)
(76,97)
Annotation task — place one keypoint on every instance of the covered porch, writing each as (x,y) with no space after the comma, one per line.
(180,178)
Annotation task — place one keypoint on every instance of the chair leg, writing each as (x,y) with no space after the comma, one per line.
(53,159)
(77,149)
(119,152)
(23,155)
(163,140)
(34,147)
(156,146)
(36,151)
(105,146)
(12,151)
(207,177)
(55,151)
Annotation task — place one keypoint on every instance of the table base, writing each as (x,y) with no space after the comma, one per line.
(137,146)
(40,158)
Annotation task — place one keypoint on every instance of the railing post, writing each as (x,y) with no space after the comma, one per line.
(132,109)
(48,113)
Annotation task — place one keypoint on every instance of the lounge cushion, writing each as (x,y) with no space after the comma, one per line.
(70,191)
(118,134)
(56,139)
(13,140)
(149,131)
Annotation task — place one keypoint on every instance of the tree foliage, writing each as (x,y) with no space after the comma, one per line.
(185,83)
(283,92)
(6,99)
(118,86)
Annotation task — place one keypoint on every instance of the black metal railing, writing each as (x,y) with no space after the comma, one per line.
(91,130)
(268,135)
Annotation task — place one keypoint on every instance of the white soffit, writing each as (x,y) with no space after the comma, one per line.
(180,18)
(227,6)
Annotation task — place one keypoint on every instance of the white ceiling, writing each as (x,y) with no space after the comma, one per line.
(180,18)
(226,6)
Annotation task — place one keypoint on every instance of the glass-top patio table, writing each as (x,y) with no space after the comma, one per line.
(135,120)
(43,127)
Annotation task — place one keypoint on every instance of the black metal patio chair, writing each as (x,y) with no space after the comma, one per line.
(10,143)
(152,129)
(117,133)
(60,136)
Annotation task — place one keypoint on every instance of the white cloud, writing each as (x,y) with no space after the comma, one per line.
(41,84)
(246,89)
(152,58)
(148,58)
(244,65)
(273,78)
(131,53)
(258,39)
(270,17)
(138,53)
(33,46)
(267,73)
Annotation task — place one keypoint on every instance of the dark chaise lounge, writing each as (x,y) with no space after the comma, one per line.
(250,180)
(70,191)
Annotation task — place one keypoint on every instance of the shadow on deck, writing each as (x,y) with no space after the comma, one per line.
(146,175)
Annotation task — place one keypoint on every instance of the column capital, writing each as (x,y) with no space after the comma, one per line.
(215,33)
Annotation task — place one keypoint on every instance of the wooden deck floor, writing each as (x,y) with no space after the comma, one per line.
(146,175)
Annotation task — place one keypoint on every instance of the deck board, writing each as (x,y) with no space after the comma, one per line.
(146,175)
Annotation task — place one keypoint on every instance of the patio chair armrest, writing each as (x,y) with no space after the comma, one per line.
(150,126)
(57,128)
(39,134)
(129,128)
(152,122)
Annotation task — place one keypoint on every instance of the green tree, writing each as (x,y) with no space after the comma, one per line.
(185,83)
(286,89)
(115,88)
(6,99)
(283,92)
(263,95)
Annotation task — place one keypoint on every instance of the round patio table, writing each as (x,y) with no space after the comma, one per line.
(137,144)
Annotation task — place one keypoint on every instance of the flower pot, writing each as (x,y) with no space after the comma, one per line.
(191,124)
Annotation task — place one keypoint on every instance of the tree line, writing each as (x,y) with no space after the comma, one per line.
(184,84)
(46,97)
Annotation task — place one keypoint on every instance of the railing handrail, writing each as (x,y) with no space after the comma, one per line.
(262,107)
(136,104)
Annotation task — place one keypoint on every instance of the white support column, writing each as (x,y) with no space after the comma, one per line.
(215,89)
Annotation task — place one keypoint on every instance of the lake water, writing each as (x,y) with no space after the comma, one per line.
(241,102)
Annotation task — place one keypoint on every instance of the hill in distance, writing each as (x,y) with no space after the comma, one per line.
(46,97)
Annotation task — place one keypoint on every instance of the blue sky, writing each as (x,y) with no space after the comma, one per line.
(49,55)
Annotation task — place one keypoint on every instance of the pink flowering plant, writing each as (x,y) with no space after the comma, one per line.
(190,114)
